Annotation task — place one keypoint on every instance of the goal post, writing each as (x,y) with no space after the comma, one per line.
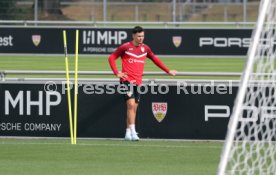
(250,145)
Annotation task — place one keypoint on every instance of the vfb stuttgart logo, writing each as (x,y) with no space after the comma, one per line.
(36,39)
(177,41)
(159,110)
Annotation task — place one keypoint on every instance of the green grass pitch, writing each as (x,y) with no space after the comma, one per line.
(107,157)
(100,63)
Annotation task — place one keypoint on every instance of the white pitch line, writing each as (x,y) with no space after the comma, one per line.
(125,144)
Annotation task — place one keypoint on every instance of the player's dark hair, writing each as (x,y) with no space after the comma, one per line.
(137,29)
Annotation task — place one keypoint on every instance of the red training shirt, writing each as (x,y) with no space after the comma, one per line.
(133,60)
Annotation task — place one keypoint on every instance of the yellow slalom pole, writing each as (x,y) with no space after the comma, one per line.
(68,86)
(76,87)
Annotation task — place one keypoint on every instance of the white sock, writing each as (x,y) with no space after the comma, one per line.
(128,131)
(132,128)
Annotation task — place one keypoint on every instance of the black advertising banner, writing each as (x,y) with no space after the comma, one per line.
(198,111)
(200,41)
(97,41)
(50,40)
(27,110)
(32,40)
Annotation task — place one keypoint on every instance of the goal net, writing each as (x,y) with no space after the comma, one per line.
(250,146)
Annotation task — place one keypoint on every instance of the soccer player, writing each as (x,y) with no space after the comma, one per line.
(133,55)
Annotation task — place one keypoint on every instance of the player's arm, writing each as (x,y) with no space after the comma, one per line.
(160,64)
(112,62)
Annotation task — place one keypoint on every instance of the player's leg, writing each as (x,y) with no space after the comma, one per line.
(132,98)
(135,104)
(128,95)
(132,106)
(131,111)
(131,117)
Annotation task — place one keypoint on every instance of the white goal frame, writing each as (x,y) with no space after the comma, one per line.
(264,4)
